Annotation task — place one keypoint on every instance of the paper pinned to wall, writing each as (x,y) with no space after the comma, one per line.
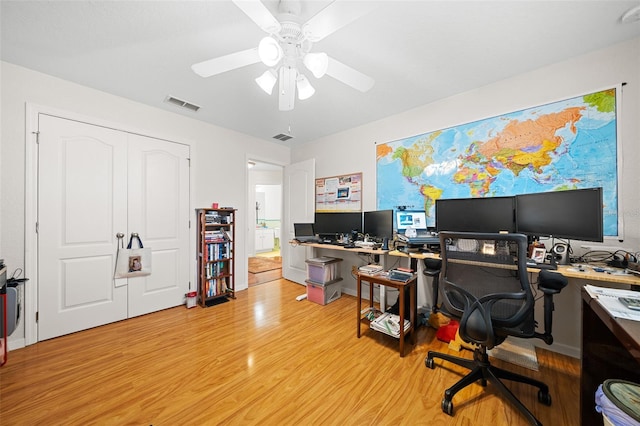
(339,193)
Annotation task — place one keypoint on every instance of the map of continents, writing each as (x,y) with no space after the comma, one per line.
(569,144)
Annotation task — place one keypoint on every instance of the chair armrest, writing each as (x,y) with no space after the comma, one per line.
(549,283)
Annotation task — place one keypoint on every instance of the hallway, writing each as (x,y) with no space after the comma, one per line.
(264,267)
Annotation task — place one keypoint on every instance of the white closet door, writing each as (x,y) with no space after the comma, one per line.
(82,204)
(159,213)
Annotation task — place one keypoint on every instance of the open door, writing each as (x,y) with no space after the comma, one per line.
(299,206)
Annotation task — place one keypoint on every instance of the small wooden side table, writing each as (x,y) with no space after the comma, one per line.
(402,286)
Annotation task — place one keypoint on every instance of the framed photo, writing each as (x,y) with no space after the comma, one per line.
(538,254)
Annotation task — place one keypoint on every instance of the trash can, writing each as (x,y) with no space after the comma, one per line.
(192,296)
(618,401)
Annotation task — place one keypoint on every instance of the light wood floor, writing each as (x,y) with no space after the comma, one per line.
(265,359)
(264,277)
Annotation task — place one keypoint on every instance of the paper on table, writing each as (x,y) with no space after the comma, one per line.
(608,297)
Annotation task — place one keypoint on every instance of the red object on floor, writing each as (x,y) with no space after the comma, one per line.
(447,333)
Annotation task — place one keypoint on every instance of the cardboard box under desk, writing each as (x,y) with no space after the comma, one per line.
(323,293)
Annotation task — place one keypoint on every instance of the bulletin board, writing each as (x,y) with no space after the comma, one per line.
(339,193)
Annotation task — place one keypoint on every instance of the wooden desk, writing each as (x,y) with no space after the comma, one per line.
(341,248)
(401,286)
(568,271)
(610,350)
(416,255)
(589,274)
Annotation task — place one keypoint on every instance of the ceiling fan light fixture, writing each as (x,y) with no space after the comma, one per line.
(269,51)
(305,89)
(317,63)
(267,81)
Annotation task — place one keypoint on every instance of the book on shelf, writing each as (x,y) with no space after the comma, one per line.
(217,236)
(215,269)
(370,269)
(389,323)
(212,218)
(216,251)
(216,287)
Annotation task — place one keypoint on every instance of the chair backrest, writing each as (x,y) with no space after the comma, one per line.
(485,285)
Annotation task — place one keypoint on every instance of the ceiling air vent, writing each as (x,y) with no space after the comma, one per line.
(181,103)
(282,137)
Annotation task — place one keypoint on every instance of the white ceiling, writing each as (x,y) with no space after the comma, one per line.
(417,52)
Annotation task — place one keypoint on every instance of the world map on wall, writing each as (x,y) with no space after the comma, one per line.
(570,144)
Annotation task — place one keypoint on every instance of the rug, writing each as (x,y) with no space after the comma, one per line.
(263,264)
(516,351)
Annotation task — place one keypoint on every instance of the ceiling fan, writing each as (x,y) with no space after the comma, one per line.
(288,44)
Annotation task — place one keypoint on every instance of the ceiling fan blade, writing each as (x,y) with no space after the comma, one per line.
(259,14)
(335,16)
(349,76)
(226,63)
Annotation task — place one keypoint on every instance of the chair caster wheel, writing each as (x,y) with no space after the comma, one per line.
(429,363)
(447,406)
(544,397)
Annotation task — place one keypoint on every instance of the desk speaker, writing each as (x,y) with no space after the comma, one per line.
(560,254)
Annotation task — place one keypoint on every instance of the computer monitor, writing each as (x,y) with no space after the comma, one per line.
(416,219)
(303,229)
(490,214)
(379,224)
(337,223)
(574,214)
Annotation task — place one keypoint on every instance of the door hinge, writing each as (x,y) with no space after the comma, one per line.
(37,316)
(189,161)
(37,227)
(37,136)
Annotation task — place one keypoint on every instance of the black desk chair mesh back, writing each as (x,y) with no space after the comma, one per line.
(485,286)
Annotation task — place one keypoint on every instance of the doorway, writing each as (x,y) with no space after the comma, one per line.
(264,222)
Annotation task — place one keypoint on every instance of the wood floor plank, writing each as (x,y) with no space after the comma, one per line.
(263,358)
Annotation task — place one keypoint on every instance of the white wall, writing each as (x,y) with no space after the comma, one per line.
(566,79)
(218,166)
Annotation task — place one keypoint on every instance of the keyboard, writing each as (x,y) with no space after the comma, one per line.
(535,265)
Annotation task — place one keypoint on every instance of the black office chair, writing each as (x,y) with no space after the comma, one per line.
(485,286)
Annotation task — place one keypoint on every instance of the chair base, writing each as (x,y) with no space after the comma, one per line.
(481,369)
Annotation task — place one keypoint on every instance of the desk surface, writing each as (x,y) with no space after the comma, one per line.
(354,249)
(568,271)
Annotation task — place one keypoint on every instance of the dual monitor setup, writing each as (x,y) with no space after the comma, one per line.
(572,214)
(376,225)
